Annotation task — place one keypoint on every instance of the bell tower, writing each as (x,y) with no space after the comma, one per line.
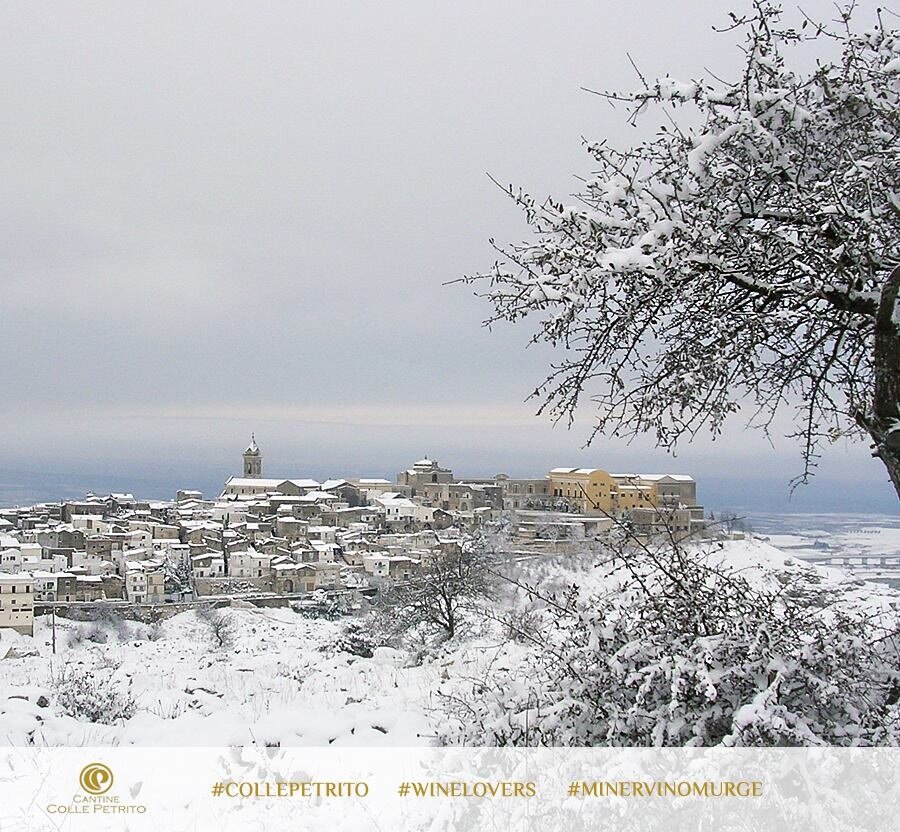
(252,460)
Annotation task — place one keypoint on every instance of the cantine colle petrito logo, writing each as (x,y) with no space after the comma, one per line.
(96,782)
(96,778)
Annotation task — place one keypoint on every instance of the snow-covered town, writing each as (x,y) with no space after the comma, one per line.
(278,539)
(599,450)
(265,617)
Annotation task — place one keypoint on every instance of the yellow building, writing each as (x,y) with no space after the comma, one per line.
(634,492)
(587,490)
(595,491)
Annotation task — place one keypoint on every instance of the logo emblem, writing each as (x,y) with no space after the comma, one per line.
(96,778)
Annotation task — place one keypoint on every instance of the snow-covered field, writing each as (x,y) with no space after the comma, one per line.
(275,686)
(863,534)
(283,683)
(868,544)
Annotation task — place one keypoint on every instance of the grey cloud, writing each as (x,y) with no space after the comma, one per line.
(248,206)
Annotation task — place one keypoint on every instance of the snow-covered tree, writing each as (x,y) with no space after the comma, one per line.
(746,254)
(677,648)
(178,574)
(448,584)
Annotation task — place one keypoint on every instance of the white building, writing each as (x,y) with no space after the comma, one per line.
(249,564)
(135,582)
(44,585)
(90,523)
(145,582)
(17,603)
(397,508)
(208,565)
(397,567)
(15,556)
(10,559)
(325,552)
(371,487)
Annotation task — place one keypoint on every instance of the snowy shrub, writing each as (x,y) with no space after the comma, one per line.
(320,606)
(107,618)
(96,634)
(687,652)
(148,632)
(93,694)
(168,709)
(358,639)
(220,625)
(104,622)
(295,674)
(522,625)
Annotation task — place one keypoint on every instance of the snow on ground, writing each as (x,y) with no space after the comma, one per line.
(283,682)
(275,686)
(762,561)
(871,542)
(821,535)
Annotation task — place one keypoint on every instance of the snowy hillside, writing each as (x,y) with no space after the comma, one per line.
(282,682)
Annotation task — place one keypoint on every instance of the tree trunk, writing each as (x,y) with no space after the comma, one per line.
(883,423)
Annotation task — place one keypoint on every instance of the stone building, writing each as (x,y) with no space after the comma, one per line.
(424,471)
(252,460)
(593,491)
(17,603)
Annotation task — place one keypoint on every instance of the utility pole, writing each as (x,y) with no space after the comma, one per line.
(53,619)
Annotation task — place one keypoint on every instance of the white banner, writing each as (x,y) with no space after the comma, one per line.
(258,788)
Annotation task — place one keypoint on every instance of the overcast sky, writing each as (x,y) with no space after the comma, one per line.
(221,217)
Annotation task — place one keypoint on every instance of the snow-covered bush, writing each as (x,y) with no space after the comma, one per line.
(105,622)
(321,606)
(109,618)
(522,625)
(685,651)
(93,694)
(96,634)
(358,639)
(219,625)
